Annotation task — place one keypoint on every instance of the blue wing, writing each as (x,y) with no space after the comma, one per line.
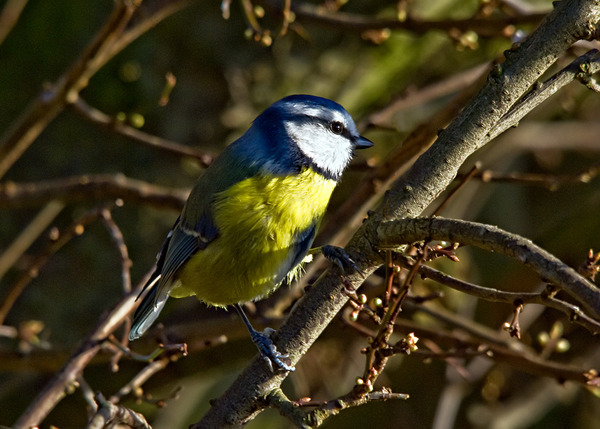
(176,250)
(192,232)
(195,229)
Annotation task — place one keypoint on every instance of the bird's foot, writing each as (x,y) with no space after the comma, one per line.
(339,257)
(268,351)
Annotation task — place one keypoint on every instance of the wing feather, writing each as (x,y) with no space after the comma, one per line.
(194,230)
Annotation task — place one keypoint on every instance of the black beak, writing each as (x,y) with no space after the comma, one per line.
(362,143)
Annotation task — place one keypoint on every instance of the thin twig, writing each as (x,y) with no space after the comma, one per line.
(88,395)
(110,40)
(522,358)
(55,97)
(57,241)
(140,378)
(91,188)
(166,8)
(551,182)
(496,295)
(96,116)
(492,26)
(585,65)
(462,181)
(28,235)
(119,241)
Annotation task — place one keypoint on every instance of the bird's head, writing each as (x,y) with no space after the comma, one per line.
(315,131)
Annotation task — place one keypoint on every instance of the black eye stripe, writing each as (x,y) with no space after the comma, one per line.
(346,133)
(343,132)
(327,124)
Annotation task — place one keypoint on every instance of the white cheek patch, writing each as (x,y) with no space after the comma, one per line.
(329,151)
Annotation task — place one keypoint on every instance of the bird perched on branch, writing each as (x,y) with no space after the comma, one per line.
(252,216)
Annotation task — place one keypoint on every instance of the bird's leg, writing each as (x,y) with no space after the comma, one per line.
(265,345)
(339,257)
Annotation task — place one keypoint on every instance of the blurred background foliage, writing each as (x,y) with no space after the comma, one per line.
(223,81)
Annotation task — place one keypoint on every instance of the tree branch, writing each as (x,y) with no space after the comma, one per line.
(36,227)
(96,116)
(496,295)
(395,233)
(55,390)
(10,15)
(585,65)
(489,26)
(431,174)
(90,188)
(111,415)
(552,182)
(57,240)
(522,358)
(323,410)
(110,40)
(53,100)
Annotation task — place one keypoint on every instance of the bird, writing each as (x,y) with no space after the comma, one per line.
(252,216)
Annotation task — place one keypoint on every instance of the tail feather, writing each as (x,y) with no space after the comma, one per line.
(148,311)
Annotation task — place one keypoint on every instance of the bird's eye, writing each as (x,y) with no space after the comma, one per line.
(336,127)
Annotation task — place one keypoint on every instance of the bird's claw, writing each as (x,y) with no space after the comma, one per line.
(339,257)
(268,351)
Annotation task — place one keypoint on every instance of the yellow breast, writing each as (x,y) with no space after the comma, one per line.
(259,221)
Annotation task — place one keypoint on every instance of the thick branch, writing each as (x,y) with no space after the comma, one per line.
(493,239)
(432,172)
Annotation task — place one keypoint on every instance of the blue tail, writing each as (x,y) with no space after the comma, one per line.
(148,310)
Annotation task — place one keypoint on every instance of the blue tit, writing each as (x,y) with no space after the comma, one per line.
(252,216)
